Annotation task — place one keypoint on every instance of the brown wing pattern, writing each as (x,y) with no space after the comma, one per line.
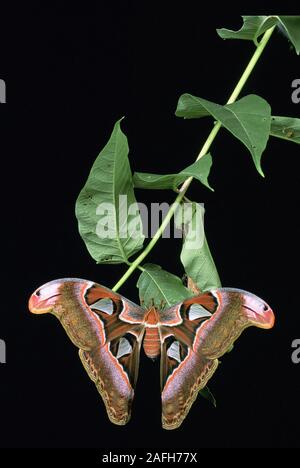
(210,323)
(108,346)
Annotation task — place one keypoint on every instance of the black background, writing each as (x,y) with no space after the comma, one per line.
(69,77)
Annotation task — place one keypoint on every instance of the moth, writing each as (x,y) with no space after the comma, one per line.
(189,337)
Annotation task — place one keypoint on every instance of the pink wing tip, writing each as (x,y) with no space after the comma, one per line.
(262,318)
(268,318)
(33,303)
(44,298)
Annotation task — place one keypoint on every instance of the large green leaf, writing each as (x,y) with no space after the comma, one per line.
(195,254)
(255,26)
(200,170)
(160,288)
(106,209)
(248,119)
(291,24)
(287,128)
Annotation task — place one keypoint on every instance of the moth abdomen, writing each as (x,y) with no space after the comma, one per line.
(152,342)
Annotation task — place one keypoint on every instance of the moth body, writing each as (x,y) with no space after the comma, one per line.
(152,340)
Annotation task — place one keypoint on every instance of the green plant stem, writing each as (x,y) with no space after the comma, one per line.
(205,148)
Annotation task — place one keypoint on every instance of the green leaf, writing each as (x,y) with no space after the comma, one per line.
(150,181)
(206,393)
(199,170)
(287,128)
(195,254)
(255,26)
(248,119)
(291,24)
(160,288)
(108,217)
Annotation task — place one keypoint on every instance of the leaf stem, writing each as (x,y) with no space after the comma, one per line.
(205,148)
